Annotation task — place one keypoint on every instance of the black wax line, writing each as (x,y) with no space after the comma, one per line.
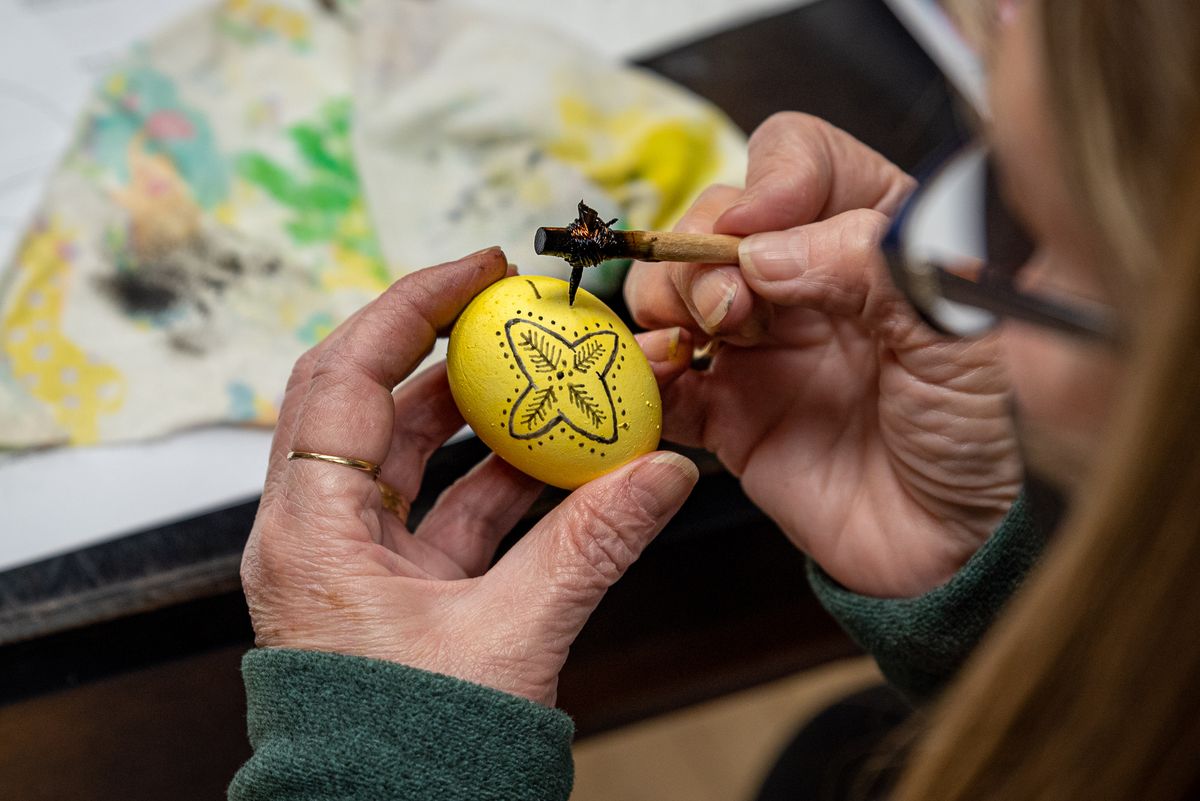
(532,386)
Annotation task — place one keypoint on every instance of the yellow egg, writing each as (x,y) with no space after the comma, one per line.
(561,392)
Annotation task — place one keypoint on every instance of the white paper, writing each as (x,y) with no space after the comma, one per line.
(59,500)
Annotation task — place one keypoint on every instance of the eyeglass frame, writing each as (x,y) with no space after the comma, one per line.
(923,283)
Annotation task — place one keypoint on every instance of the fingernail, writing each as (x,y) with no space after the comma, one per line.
(660,346)
(712,297)
(664,482)
(772,257)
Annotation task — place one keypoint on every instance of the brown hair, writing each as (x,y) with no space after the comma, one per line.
(1089,685)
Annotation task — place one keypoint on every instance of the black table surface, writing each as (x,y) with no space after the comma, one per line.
(130,647)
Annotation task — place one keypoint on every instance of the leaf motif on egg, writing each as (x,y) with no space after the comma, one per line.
(566,382)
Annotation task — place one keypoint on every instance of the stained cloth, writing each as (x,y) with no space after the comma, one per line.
(248,178)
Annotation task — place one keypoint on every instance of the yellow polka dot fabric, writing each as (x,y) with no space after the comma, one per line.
(79,388)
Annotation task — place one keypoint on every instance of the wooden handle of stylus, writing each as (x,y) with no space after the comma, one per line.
(676,246)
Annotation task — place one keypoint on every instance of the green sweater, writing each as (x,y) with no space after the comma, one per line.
(327,726)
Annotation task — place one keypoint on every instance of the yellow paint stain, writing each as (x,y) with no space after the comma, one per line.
(267,17)
(354,223)
(116,84)
(295,27)
(288,314)
(265,412)
(351,268)
(77,388)
(226,214)
(676,156)
(243,201)
(322,330)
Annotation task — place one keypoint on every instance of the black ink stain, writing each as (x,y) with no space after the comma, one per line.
(137,294)
(188,346)
(533,286)
(230,263)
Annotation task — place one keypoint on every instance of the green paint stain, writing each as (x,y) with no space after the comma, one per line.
(323,193)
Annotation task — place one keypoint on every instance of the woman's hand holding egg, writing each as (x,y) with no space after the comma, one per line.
(327,567)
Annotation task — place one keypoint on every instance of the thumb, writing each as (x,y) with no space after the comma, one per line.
(566,563)
(834,266)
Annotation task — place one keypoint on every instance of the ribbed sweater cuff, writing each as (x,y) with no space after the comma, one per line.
(330,726)
(921,642)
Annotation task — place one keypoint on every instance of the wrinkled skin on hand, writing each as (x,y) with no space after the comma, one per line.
(328,568)
(883,450)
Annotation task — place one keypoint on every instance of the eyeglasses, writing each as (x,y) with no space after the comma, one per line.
(954,251)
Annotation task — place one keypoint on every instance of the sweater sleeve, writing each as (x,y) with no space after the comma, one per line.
(328,726)
(921,642)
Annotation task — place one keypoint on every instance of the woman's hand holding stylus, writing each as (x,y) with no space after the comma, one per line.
(883,450)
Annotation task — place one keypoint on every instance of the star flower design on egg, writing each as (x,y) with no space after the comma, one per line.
(566,382)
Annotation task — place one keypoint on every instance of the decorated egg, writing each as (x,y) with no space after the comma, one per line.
(561,392)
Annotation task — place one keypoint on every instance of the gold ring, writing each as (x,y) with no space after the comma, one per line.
(357,464)
(392,500)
